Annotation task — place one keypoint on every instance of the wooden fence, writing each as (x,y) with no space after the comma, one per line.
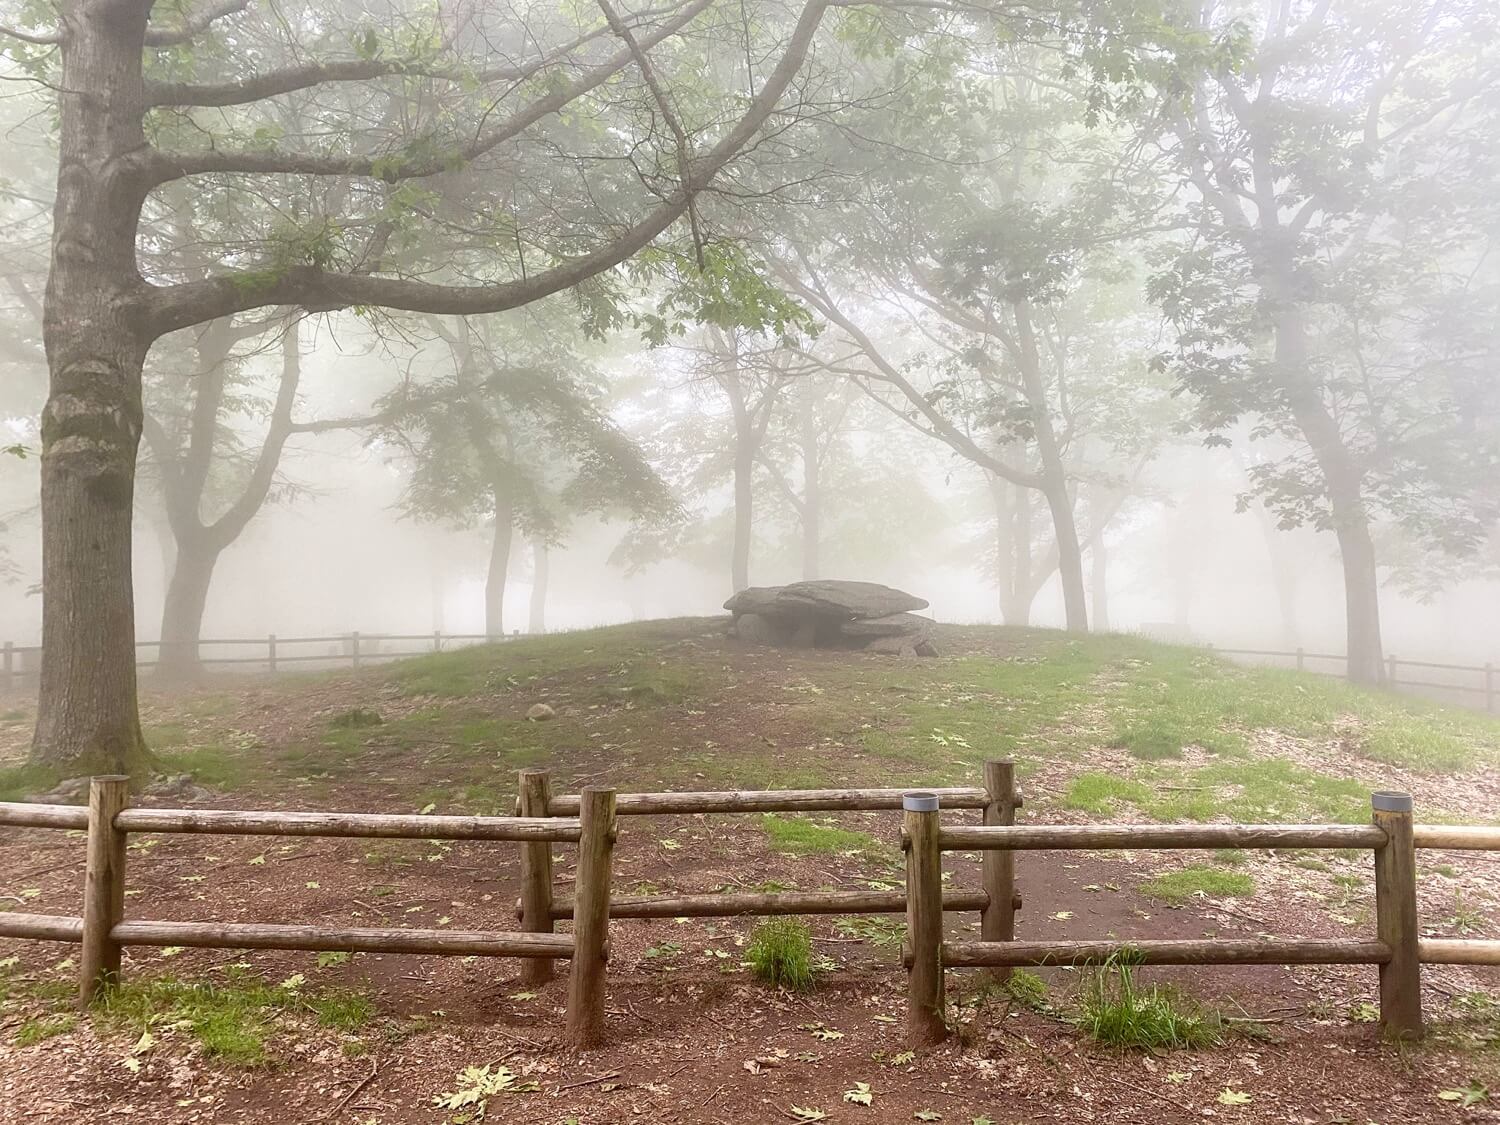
(1398,948)
(103,928)
(20,664)
(589,819)
(1480,678)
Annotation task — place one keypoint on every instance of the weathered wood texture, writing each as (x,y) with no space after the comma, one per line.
(782,902)
(998,867)
(103,885)
(1457,837)
(20,814)
(535,787)
(925,1002)
(591,917)
(1039,837)
(1166,952)
(247,935)
(771,800)
(1444,951)
(1396,921)
(223,822)
(41,927)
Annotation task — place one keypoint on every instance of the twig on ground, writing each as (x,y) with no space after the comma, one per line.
(349,1097)
(590,1081)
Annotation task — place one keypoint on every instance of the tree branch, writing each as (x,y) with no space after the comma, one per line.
(39,38)
(392,167)
(167,308)
(194,25)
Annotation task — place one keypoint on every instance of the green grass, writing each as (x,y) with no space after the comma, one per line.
(36,1029)
(19,782)
(1118,1012)
(1178,886)
(1102,793)
(234,1021)
(1027,989)
(806,837)
(780,952)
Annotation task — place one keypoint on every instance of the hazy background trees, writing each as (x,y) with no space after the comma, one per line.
(1100,318)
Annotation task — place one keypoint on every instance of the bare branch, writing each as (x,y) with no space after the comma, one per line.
(40,38)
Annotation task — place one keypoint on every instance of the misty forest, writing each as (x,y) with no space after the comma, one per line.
(1035,464)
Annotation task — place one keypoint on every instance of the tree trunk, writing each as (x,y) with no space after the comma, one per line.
(91,425)
(182,611)
(812,493)
(537,622)
(1343,479)
(1099,559)
(494,584)
(1054,476)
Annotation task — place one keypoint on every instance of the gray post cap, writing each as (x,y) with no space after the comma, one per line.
(920,802)
(1390,802)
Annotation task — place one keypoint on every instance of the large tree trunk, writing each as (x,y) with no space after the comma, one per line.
(1054,476)
(812,489)
(494,583)
(182,611)
(1366,662)
(537,621)
(91,426)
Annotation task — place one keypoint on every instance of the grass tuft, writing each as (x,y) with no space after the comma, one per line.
(780,953)
(1119,1013)
(1027,989)
(36,1029)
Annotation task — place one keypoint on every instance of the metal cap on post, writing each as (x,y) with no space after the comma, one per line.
(919,802)
(1391,802)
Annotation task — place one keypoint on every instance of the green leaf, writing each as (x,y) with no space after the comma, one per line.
(1233,1097)
(860,1095)
(808,1113)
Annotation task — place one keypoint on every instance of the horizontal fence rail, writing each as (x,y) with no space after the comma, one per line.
(1218,951)
(1087,837)
(771,800)
(219,822)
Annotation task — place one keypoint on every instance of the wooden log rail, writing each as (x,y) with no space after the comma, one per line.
(1398,951)
(102,930)
(771,800)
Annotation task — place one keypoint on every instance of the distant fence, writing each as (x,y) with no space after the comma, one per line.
(20,664)
(1472,684)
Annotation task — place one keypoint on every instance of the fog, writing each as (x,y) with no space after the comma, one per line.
(1061,319)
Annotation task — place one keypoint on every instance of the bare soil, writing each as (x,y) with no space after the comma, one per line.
(692,1036)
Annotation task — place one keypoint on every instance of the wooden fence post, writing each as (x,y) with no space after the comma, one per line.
(924,920)
(1390,672)
(998,923)
(437,640)
(1489,688)
(103,885)
(9,671)
(271,653)
(591,916)
(1396,917)
(535,787)
(1301,659)
(354,651)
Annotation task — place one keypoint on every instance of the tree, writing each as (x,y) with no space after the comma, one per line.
(433,108)
(517,437)
(1336,232)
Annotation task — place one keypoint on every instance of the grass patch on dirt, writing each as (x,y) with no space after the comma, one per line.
(780,952)
(800,836)
(38,1029)
(233,1021)
(20,781)
(1178,886)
